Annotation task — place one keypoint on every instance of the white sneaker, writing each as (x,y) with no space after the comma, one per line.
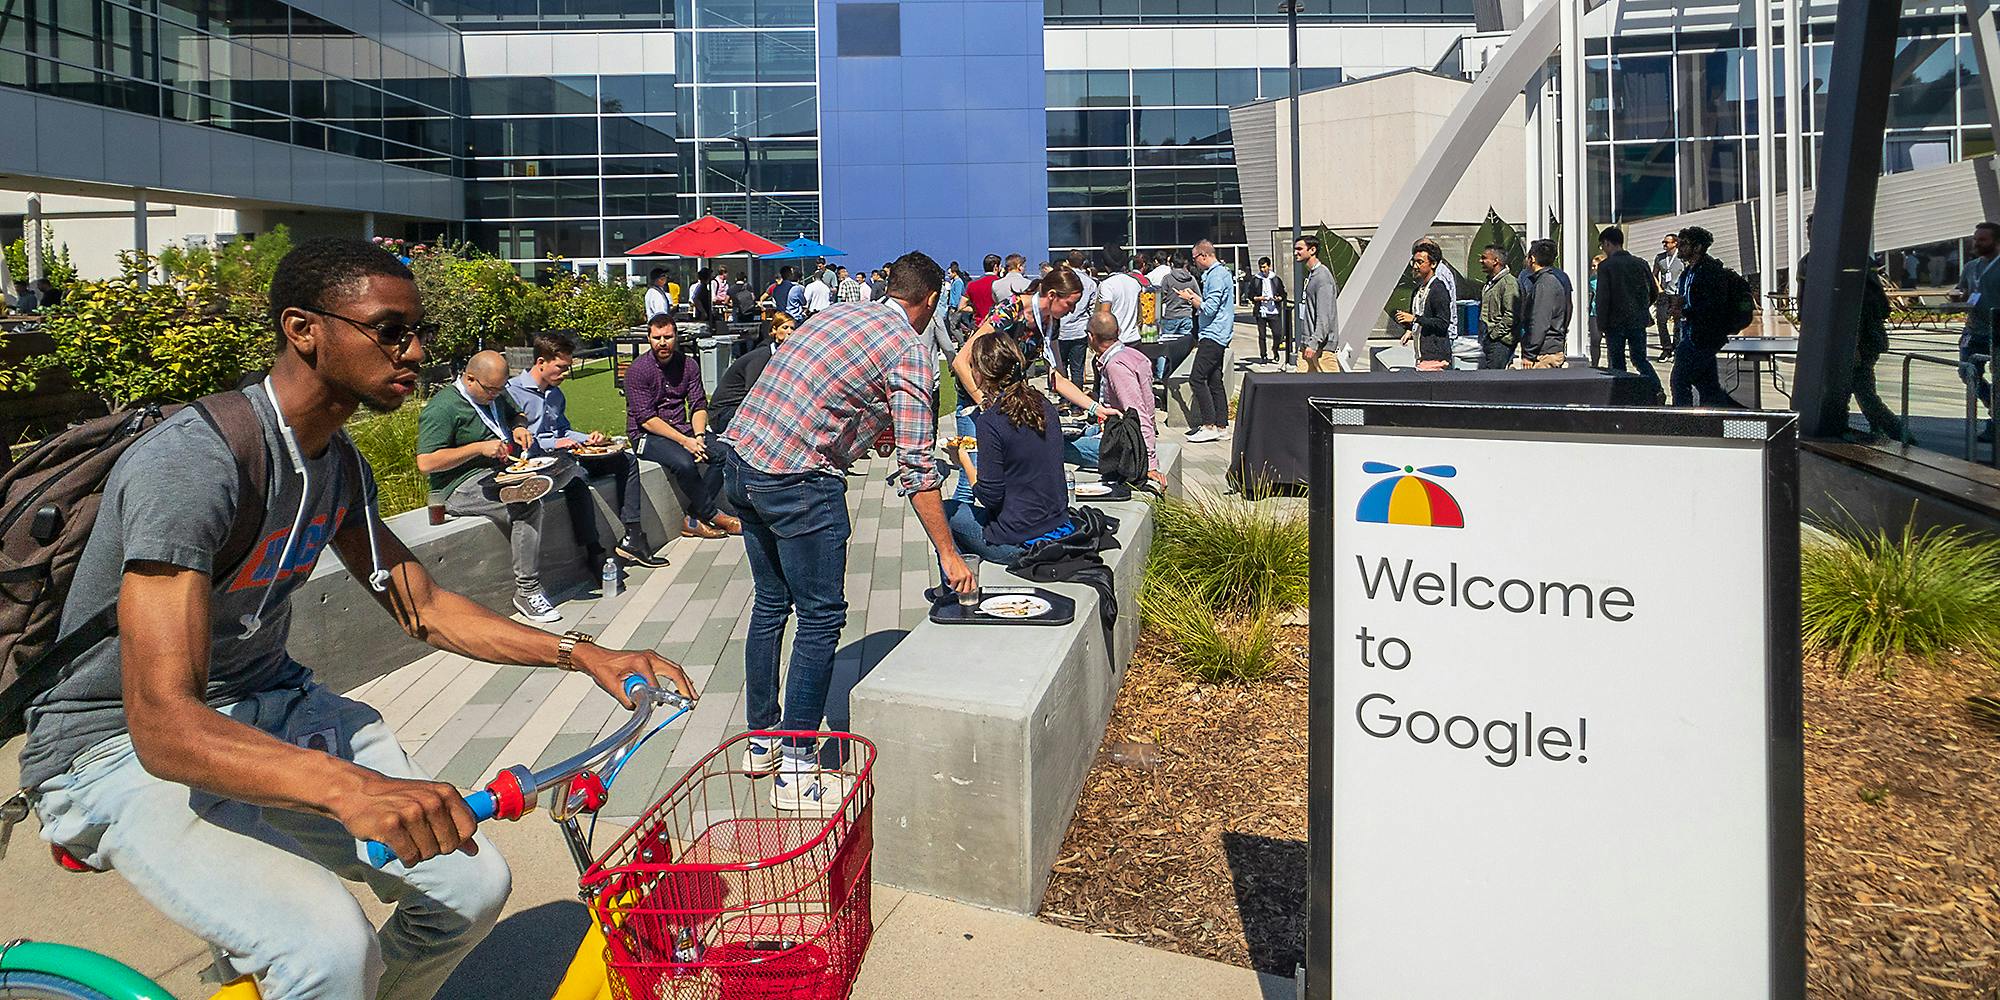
(760,759)
(817,792)
(1204,434)
(535,607)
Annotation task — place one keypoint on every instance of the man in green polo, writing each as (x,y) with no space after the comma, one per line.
(466,435)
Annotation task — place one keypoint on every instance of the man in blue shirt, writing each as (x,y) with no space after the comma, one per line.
(1215,325)
(537,392)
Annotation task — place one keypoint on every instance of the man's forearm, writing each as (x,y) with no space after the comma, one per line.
(929,505)
(658,426)
(447,459)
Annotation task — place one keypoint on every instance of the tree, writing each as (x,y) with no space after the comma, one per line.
(241,269)
(56,265)
(474,299)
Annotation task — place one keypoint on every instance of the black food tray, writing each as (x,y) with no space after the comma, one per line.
(1062,610)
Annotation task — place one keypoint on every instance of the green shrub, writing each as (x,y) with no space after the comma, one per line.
(1239,557)
(1210,645)
(473,297)
(1870,598)
(389,442)
(123,341)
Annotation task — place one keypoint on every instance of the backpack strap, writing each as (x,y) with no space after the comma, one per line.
(234,418)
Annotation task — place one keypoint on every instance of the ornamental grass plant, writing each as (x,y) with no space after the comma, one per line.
(389,442)
(1873,599)
(1221,576)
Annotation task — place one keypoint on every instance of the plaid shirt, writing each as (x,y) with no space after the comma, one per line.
(827,394)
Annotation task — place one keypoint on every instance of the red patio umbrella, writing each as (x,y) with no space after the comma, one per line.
(707,236)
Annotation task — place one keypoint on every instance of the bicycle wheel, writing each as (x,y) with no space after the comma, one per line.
(32,970)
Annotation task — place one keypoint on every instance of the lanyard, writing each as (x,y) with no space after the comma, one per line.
(490,418)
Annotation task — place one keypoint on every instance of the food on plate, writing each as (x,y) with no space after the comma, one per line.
(1014,606)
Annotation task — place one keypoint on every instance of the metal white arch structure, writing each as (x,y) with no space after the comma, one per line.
(1438,172)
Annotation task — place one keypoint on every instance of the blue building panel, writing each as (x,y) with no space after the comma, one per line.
(940,148)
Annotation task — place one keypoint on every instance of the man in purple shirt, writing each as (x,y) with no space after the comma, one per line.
(666,413)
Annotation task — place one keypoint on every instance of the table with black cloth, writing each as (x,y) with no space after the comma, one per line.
(1271,412)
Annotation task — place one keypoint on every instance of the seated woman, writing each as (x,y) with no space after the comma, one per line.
(1020,490)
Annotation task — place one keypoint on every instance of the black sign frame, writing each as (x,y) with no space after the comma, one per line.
(1777,435)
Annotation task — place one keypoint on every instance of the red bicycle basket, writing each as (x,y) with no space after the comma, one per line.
(715,895)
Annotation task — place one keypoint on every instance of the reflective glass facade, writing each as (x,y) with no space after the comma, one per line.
(1060,12)
(1671,120)
(257,67)
(1142,159)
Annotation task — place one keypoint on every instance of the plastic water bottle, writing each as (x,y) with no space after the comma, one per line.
(1069,479)
(611,587)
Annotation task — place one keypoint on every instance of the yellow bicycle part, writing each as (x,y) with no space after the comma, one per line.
(587,978)
(239,989)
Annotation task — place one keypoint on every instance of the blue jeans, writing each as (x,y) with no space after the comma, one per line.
(1633,340)
(963,419)
(700,482)
(1695,371)
(1083,451)
(265,884)
(968,531)
(1974,373)
(795,532)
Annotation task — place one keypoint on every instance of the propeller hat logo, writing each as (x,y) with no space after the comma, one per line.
(1410,497)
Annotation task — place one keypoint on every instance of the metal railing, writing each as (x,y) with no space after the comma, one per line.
(1971,400)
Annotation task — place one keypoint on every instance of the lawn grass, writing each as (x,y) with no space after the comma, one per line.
(594,403)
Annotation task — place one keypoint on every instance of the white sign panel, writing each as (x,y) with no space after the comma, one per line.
(1548,717)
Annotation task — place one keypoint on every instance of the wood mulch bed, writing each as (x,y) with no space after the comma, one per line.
(1190,835)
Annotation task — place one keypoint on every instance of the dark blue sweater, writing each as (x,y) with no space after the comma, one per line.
(1021,477)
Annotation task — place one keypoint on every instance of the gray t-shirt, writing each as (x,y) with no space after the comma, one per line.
(171,499)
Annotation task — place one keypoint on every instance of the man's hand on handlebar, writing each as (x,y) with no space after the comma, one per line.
(419,820)
(610,667)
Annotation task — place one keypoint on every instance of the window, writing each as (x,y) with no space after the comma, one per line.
(1645,180)
(869,29)
(1924,87)
(1643,86)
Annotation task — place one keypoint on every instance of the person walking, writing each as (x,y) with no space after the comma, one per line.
(1073,346)
(1667,270)
(1625,305)
(1977,337)
(1120,292)
(1319,309)
(1870,344)
(979,291)
(819,406)
(1434,325)
(1499,299)
(1546,306)
(1709,317)
(818,294)
(851,289)
(1215,323)
(1269,310)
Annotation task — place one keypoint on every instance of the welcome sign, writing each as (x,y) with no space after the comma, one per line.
(1555,721)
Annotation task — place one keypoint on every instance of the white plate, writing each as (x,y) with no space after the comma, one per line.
(1014,606)
(1093,490)
(536,464)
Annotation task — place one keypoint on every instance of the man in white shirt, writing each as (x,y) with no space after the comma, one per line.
(1013,282)
(818,295)
(658,302)
(1120,292)
(1160,272)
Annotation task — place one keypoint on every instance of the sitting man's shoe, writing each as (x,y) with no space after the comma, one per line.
(536,607)
(527,490)
(635,549)
(692,528)
(727,522)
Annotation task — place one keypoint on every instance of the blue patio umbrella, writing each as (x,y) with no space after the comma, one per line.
(804,249)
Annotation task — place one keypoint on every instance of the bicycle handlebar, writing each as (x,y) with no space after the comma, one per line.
(510,793)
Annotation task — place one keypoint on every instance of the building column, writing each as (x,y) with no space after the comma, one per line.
(33,234)
(1576,235)
(140,241)
(1533,227)
(1796,98)
(368,225)
(1767,172)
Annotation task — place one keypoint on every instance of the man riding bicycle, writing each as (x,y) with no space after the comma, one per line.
(191,753)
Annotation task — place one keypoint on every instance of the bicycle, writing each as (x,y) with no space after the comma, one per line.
(34,970)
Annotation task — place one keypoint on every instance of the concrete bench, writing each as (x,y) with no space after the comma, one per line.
(1180,395)
(339,631)
(987,732)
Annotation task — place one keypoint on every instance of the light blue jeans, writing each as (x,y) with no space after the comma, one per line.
(264,884)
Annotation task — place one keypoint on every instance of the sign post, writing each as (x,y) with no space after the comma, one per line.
(1555,704)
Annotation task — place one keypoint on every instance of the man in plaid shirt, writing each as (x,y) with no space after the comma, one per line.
(853,370)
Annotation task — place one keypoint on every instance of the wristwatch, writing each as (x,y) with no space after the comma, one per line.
(567,647)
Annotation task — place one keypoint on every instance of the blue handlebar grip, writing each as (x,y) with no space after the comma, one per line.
(481,803)
(635,684)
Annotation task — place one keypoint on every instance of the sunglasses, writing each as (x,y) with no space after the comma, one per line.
(394,334)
